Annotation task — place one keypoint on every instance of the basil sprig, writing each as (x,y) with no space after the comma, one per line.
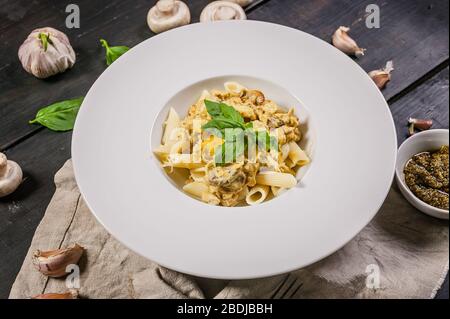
(223,119)
(113,53)
(59,116)
(223,116)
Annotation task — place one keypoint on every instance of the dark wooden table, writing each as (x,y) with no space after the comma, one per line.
(414,33)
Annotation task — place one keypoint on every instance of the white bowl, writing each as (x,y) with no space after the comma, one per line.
(421,142)
(123,185)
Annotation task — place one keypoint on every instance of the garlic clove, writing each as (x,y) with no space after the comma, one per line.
(53,263)
(420,124)
(222,10)
(46,52)
(168,14)
(345,43)
(71,294)
(10,176)
(383,76)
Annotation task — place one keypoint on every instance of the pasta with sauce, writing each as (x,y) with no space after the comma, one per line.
(237,147)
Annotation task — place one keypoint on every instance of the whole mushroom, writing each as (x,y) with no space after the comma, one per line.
(46,52)
(168,14)
(10,176)
(222,10)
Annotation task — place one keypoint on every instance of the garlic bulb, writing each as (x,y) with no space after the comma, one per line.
(168,14)
(10,176)
(242,3)
(53,263)
(343,42)
(46,52)
(222,10)
(383,76)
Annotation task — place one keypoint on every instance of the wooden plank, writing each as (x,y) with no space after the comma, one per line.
(413,33)
(428,101)
(22,211)
(40,157)
(21,95)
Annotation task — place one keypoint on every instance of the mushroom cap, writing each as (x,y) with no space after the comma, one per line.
(58,57)
(222,10)
(10,176)
(168,14)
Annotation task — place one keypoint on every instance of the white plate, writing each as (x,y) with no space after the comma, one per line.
(352,132)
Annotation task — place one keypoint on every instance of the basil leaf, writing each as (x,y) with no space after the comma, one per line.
(59,116)
(231,113)
(221,122)
(225,153)
(232,149)
(213,108)
(218,109)
(113,53)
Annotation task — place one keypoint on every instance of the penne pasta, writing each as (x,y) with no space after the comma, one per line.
(243,193)
(198,174)
(181,161)
(233,146)
(172,122)
(233,87)
(277,179)
(196,189)
(277,191)
(284,152)
(210,199)
(297,155)
(256,195)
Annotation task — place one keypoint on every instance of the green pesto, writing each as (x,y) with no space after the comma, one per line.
(426,175)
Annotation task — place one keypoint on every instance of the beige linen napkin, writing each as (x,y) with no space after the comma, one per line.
(410,251)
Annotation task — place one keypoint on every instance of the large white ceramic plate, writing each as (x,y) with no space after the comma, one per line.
(352,169)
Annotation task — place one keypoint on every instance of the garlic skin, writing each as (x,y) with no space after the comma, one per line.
(222,10)
(57,58)
(343,42)
(71,294)
(10,176)
(242,3)
(383,76)
(419,124)
(168,14)
(53,263)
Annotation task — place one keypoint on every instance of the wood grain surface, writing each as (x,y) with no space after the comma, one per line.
(414,33)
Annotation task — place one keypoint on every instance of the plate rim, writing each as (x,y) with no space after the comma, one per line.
(237,277)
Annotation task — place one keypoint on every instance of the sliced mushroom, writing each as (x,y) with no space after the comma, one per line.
(254,96)
(168,14)
(222,10)
(10,176)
